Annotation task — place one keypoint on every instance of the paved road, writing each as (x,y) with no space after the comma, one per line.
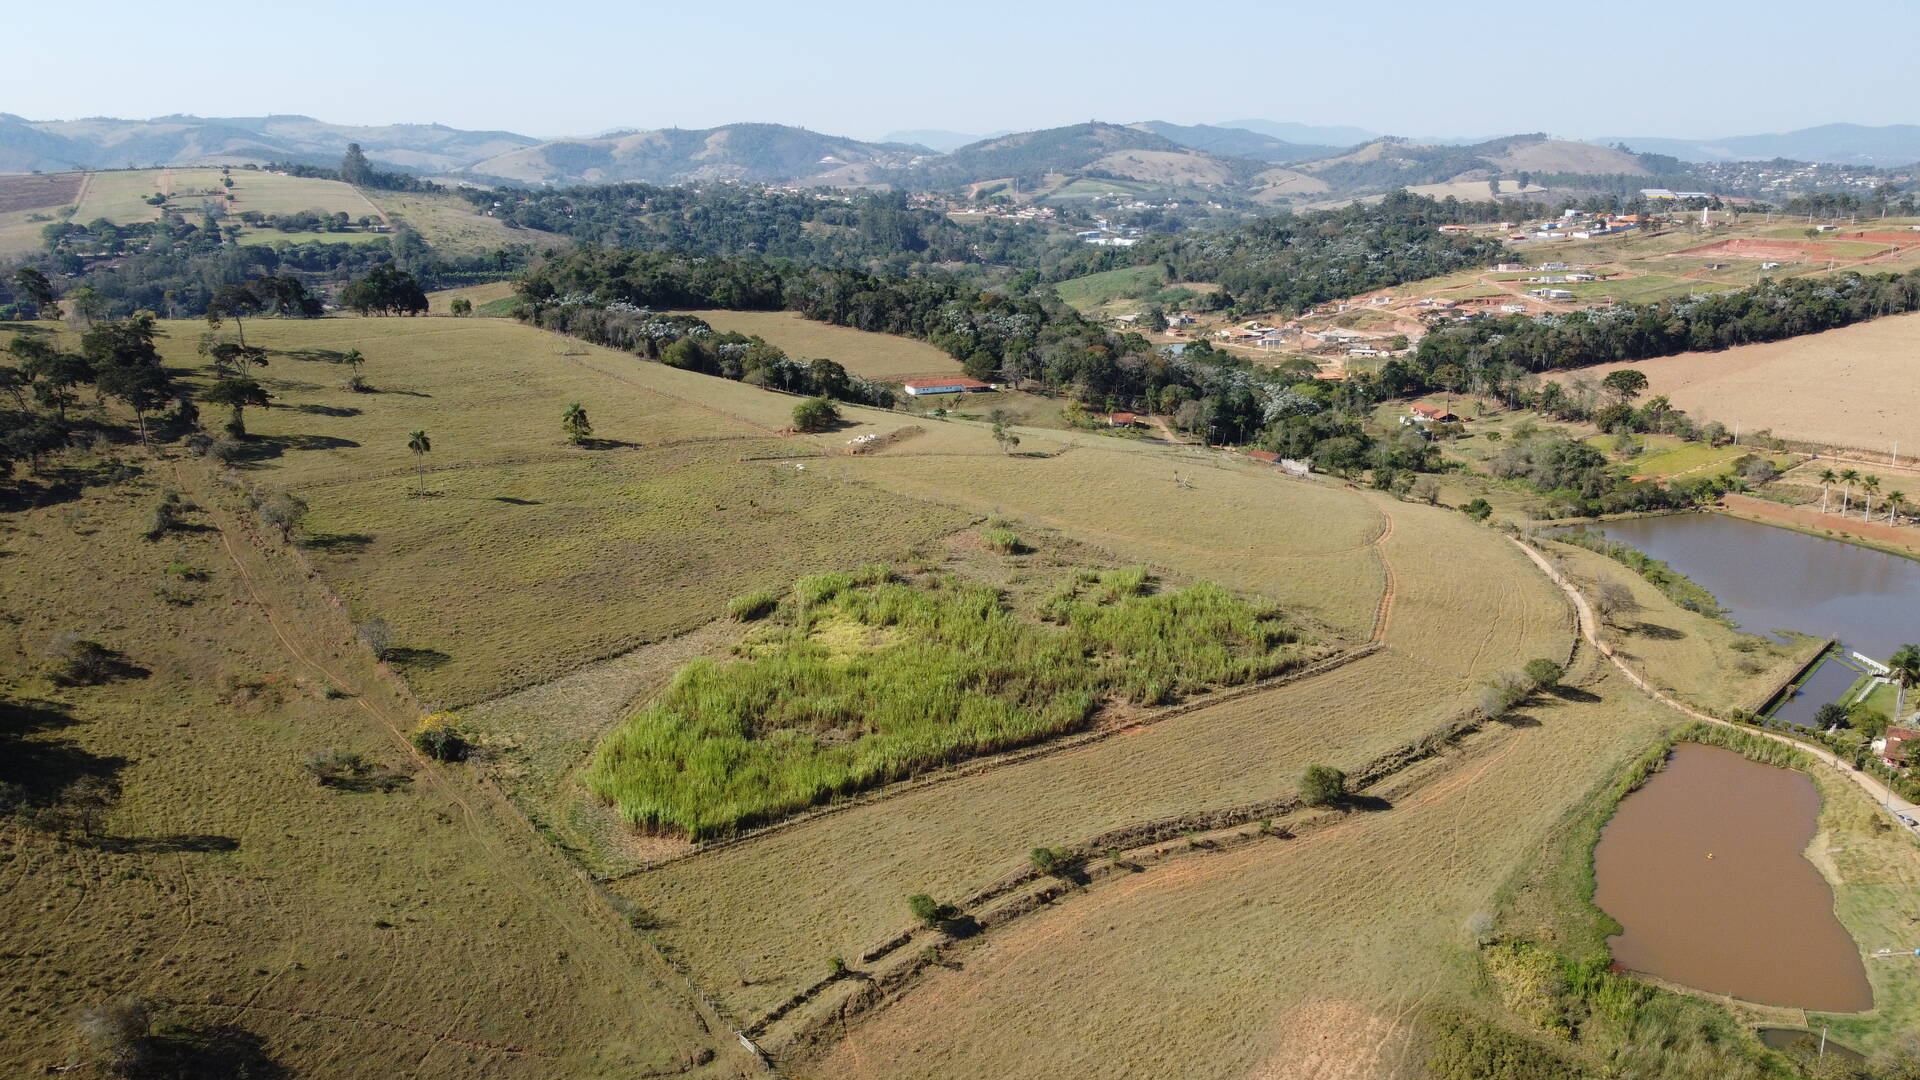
(1901,808)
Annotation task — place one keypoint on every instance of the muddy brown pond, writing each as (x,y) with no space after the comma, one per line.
(1704,868)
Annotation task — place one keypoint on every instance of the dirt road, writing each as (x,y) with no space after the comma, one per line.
(1588,630)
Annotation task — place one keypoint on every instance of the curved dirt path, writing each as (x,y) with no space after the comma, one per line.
(1875,790)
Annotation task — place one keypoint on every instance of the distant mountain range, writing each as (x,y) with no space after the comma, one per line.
(106,143)
(1258,159)
(1840,144)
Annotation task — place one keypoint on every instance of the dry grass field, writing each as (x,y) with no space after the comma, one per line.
(484,579)
(843,878)
(874,356)
(551,589)
(424,931)
(120,197)
(449,223)
(1280,958)
(1858,386)
(493,292)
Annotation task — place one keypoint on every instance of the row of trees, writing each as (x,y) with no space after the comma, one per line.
(1491,352)
(43,383)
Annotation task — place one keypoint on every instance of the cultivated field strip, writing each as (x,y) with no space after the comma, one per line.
(1199,968)
(840,881)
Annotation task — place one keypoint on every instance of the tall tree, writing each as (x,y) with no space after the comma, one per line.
(354,168)
(1847,479)
(1870,487)
(1827,477)
(421,446)
(32,284)
(234,302)
(236,392)
(1905,669)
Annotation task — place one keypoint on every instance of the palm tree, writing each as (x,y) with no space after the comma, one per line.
(1827,477)
(1870,485)
(1847,477)
(574,422)
(418,442)
(1895,503)
(1905,668)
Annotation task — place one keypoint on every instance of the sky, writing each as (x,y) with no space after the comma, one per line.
(1629,67)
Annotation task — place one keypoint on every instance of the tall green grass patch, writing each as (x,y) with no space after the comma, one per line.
(874,680)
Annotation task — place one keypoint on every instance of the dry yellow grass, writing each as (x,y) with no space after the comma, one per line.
(875,356)
(840,881)
(1858,386)
(439,303)
(449,223)
(350,931)
(1211,965)
(489,578)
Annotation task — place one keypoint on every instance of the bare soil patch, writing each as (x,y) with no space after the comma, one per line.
(36,192)
(1852,387)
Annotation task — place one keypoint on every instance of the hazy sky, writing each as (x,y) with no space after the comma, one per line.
(1628,67)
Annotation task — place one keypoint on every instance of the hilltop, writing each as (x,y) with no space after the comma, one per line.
(1237,142)
(762,152)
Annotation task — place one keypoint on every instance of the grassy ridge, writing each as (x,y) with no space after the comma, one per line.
(870,679)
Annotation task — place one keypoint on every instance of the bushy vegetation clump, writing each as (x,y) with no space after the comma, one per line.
(875,679)
(440,738)
(753,605)
(1322,785)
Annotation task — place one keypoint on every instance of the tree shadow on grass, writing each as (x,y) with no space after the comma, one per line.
(337,543)
(326,410)
(1574,693)
(395,390)
(1517,720)
(607,444)
(255,449)
(58,484)
(516,501)
(420,659)
(960,927)
(1365,802)
(35,768)
(321,356)
(215,1052)
(1658,632)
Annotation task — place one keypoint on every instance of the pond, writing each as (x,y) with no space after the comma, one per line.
(1705,869)
(1772,579)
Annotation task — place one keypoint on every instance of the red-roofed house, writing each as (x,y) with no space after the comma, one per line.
(1431,414)
(1900,742)
(1265,457)
(957,385)
(1124,419)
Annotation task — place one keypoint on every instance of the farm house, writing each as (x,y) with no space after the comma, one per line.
(957,385)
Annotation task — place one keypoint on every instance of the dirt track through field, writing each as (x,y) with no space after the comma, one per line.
(250,568)
(1875,790)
